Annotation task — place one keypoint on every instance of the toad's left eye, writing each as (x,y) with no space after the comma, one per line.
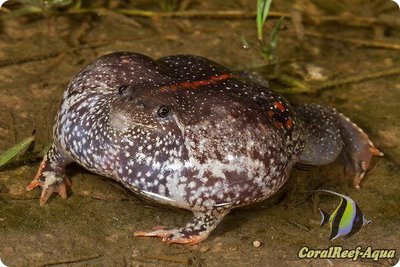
(163,111)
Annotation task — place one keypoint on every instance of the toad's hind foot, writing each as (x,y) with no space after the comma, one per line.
(192,233)
(357,152)
(50,176)
(330,135)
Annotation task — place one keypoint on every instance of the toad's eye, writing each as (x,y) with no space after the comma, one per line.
(163,111)
(122,89)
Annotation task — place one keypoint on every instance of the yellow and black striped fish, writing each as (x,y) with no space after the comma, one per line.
(346,220)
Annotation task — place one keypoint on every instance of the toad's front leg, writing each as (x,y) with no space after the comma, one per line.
(195,231)
(50,175)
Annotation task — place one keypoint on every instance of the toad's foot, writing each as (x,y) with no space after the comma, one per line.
(50,183)
(357,152)
(50,176)
(192,233)
(331,134)
(169,236)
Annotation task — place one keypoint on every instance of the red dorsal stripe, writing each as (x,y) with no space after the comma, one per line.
(196,84)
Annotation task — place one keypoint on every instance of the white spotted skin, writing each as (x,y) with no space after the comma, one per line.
(218,147)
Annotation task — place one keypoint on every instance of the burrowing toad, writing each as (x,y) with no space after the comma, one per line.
(190,133)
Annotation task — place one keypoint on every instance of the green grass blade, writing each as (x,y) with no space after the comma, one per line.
(12,152)
(273,39)
(263,7)
(274,34)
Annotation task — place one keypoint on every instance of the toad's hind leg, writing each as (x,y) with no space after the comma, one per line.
(50,175)
(331,134)
(195,231)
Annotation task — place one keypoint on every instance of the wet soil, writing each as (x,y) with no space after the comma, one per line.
(94,226)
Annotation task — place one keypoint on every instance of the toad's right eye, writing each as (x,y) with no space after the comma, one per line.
(163,112)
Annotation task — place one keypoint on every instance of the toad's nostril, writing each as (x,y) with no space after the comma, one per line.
(140,105)
(122,89)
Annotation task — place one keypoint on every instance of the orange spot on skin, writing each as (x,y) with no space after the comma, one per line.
(278,124)
(289,123)
(195,84)
(279,106)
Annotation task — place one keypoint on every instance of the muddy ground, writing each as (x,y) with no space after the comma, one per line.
(94,226)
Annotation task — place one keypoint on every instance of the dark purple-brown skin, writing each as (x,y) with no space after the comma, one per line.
(190,133)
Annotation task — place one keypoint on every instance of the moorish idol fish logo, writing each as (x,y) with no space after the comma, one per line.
(346,220)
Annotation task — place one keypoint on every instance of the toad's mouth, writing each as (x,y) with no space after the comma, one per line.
(141,125)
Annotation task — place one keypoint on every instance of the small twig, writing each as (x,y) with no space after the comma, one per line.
(120,17)
(344,81)
(298,225)
(7,196)
(353,21)
(175,259)
(8,62)
(193,14)
(79,32)
(77,260)
(238,14)
(359,78)
(360,42)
